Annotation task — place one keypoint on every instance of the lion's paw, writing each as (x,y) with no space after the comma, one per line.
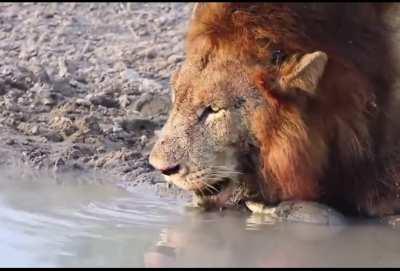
(299,211)
(260,208)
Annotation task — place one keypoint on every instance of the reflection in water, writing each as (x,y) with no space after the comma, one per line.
(78,222)
(86,222)
(214,240)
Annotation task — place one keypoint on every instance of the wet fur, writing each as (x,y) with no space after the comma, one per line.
(337,147)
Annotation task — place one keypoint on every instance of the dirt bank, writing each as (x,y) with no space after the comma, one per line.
(85,85)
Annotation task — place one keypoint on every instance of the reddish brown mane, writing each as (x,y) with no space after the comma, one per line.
(325,154)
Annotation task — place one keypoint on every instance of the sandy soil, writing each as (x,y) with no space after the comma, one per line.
(85,85)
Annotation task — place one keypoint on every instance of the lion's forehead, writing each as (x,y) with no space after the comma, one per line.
(216,83)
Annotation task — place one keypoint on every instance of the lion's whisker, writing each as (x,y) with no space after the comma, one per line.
(210,186)
(220,168)
(226,172)
(229,171)
(216,177)
(201,191)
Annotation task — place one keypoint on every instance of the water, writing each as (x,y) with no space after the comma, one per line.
(85,222)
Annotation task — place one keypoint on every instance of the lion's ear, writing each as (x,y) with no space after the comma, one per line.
(305,73)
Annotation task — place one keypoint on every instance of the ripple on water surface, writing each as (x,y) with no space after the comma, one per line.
(77,221)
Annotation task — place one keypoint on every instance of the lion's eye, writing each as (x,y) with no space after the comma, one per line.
(277,57)
(203,113)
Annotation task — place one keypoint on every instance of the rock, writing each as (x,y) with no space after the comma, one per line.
(77,151)
(53,136)
(143,139)
(10,141)
(63,87)
(117,128)
(174,59)
(124,101)
(150,53)
(103,100)
(64,125)
(152,105)
(64,70)
(88,124)
(83,102)
(134,124)
(35,130)
(48,101)
(149,85)
(11,105)
(130,75)
(309,212)
(25,128)
(40,74)
(3,88)
(101,149)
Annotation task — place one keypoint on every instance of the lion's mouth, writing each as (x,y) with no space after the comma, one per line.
(224,193)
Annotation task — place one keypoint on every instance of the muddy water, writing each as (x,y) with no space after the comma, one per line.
(83,221)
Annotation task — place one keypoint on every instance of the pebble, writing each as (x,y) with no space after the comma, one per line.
(124,101)
(10,141)
(134,124)
(103,100)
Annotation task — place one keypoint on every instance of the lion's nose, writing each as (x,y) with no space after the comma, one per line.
(170,170)
(163,160)
(161,165)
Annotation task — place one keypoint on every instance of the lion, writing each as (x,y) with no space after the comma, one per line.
(285,102)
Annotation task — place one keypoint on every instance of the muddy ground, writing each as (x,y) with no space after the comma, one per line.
(85,86)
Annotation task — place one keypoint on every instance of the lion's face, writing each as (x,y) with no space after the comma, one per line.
(225,113)
(207,133)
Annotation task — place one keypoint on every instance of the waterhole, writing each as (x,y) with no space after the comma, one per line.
(86,221)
